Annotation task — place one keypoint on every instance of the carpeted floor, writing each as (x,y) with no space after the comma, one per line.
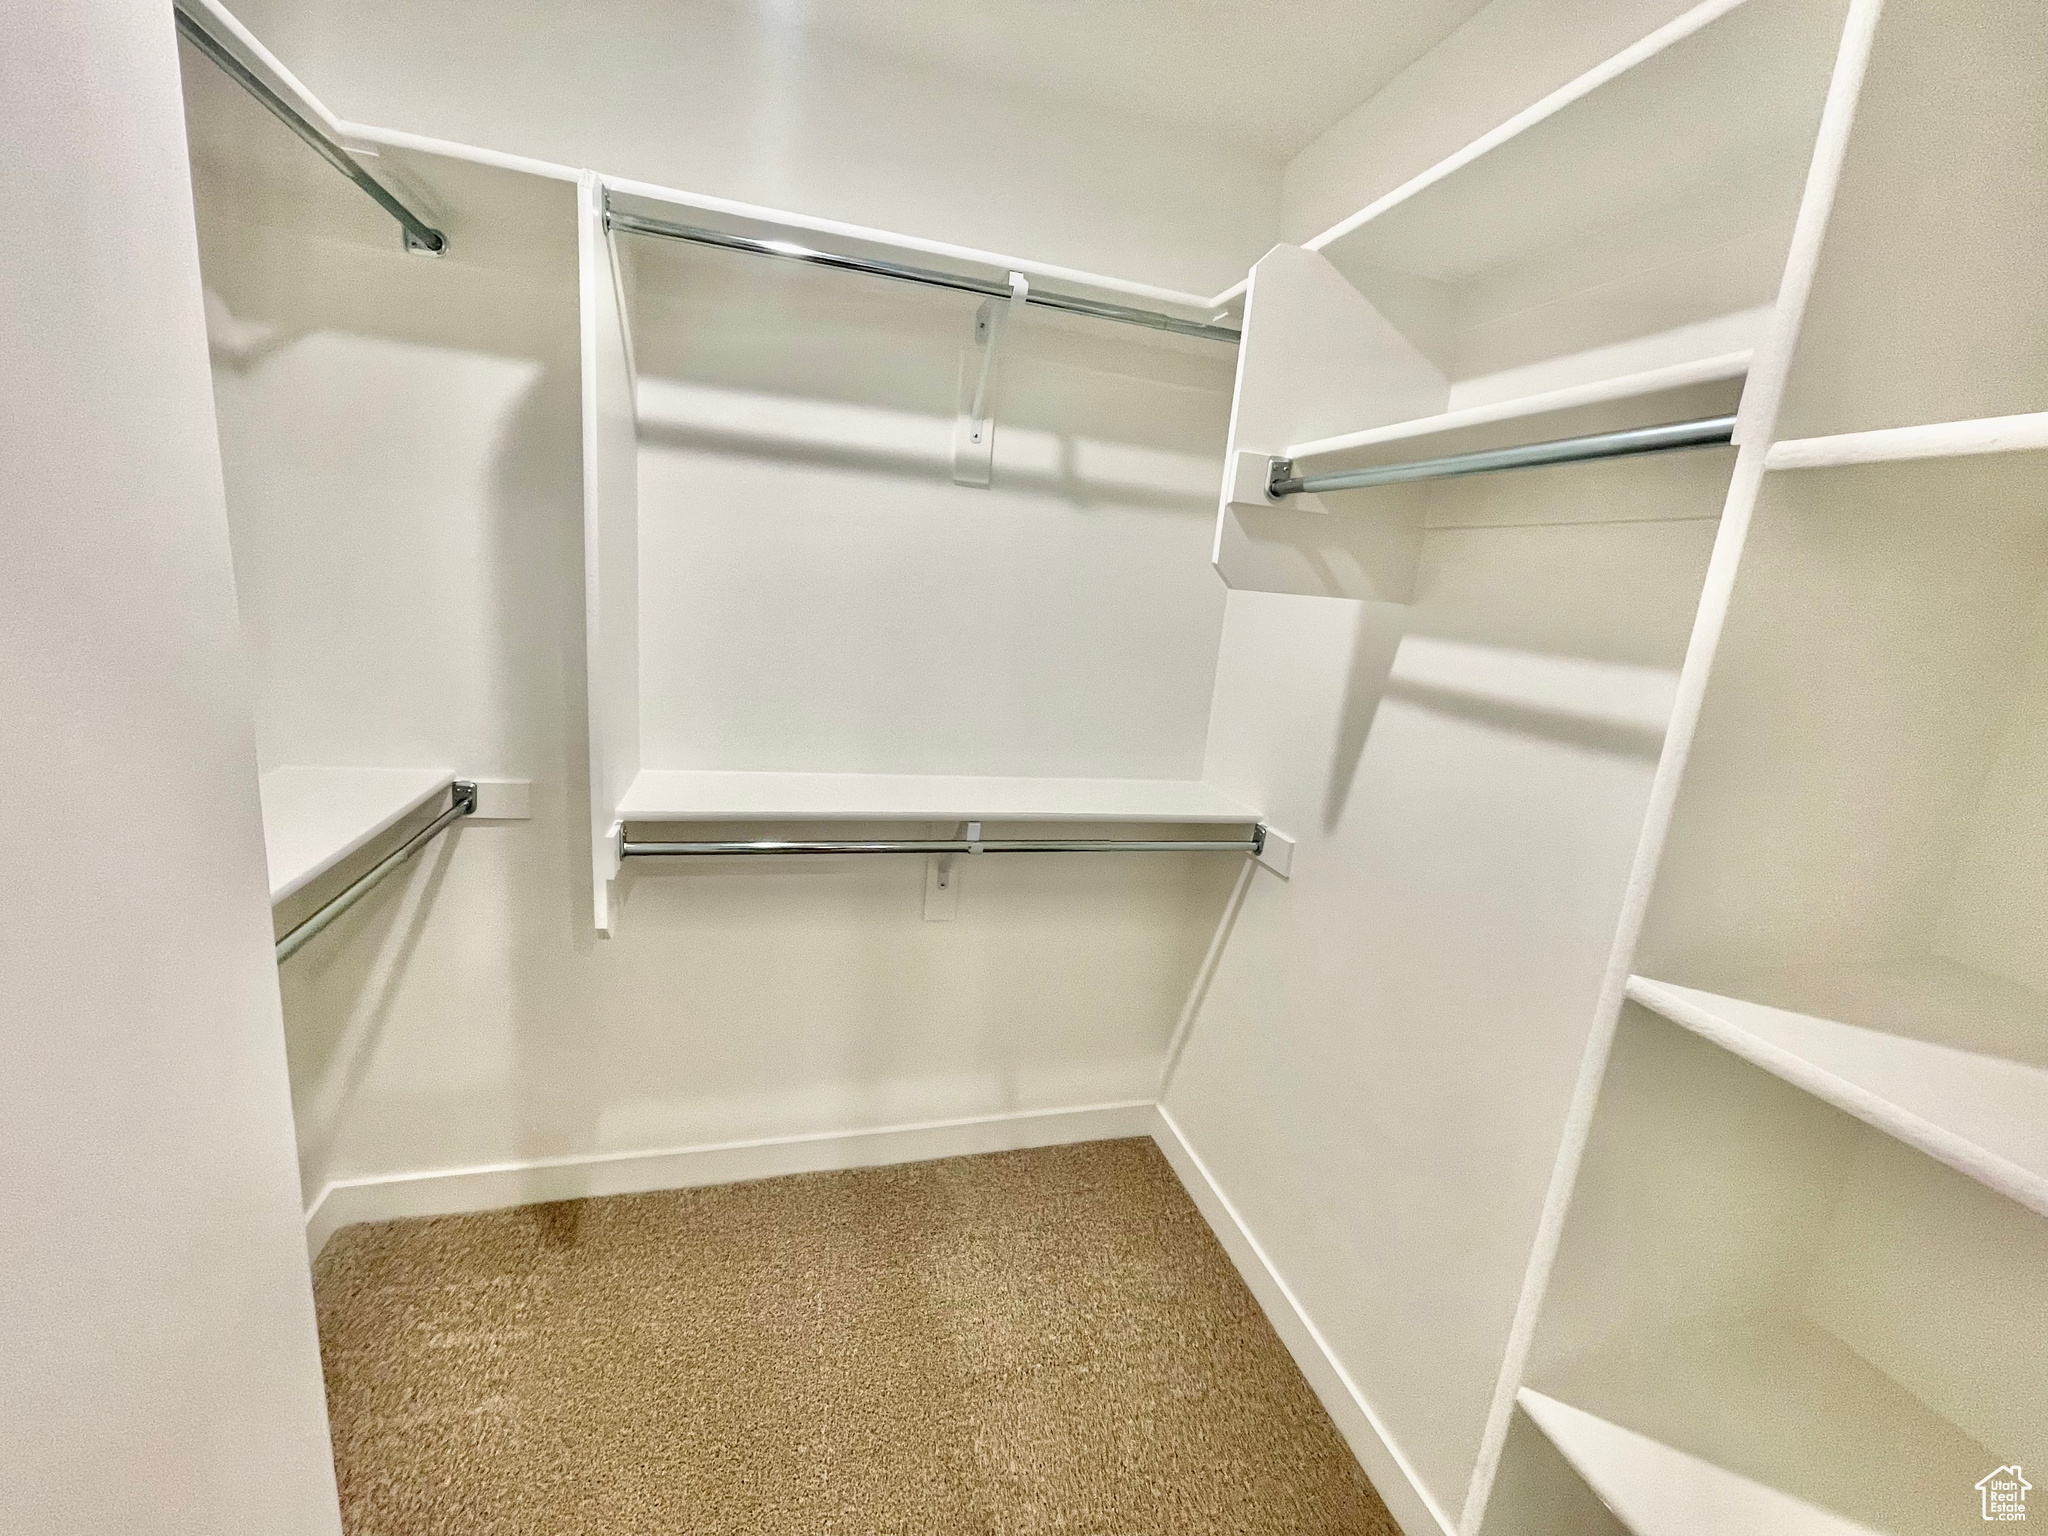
(1031,1342)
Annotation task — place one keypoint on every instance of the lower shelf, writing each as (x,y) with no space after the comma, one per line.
(1950,1087)
(313,818)
(1760,1424)
(685,795)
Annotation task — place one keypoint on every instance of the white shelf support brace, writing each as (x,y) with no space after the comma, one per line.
(974,430)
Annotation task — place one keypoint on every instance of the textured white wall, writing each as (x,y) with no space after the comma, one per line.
(156,1322)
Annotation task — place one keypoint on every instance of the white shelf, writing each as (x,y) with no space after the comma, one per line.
(1553,413)
(701,795)
(1984,1115)
(1658,1490)
(1758,1423)
(1937,440)
(313,818)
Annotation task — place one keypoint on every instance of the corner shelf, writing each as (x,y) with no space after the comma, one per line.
(1983,1115)
(1761,1424)
(684,795)
(314,818)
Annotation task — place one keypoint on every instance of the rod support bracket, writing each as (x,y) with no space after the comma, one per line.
(464,796)
(1280,478)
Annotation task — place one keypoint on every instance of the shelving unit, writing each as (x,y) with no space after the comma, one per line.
(314,818)
(1800,1282)
(1768,1317)
(1607,260)
(792,616)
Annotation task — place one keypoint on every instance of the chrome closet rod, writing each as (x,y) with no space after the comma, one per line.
(636,850)
(419,235)
(1707,432)
(1073,304)
(462,797)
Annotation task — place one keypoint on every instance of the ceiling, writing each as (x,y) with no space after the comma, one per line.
(1267,75)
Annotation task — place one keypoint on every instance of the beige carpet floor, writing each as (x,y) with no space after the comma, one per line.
(1031,1342)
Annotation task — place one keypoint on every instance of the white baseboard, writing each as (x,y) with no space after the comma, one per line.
(453,1191)
(1415,1511)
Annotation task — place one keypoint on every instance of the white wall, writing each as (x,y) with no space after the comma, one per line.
(155,1316)
(747,103)
(817,594)
(1508,56)
(1379,1074)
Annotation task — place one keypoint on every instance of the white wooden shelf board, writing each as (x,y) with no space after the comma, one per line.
(1761,1423)
(313,818)
(1553,408)
(1983,1115)
(1658,1490)
(1936,440)
(707,795)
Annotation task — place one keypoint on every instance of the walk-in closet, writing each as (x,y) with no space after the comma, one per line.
(794,766)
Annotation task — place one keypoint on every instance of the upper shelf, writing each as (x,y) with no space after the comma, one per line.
(1938,1089)
(313,818)
(1709,387)
(1636,219)
(684,795)
(1728,93)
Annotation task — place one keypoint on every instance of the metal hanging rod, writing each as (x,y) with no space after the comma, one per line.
(773,846)
(462,798)
(420,236)
(1706,432)
(1073,304)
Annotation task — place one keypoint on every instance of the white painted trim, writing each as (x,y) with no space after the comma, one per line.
(494,1186)
(1410,1504)
(1643,48)
(1757,417)
(1936,440)
(1708,370)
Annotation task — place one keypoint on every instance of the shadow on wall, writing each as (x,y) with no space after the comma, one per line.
(340,992)
(1375,641)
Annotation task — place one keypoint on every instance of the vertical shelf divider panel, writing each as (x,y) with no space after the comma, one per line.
(611,533)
